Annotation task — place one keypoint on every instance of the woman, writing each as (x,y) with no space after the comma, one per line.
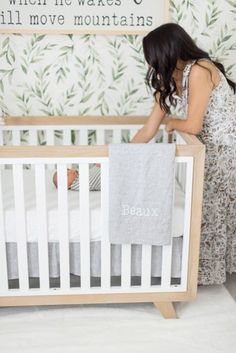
(179,70)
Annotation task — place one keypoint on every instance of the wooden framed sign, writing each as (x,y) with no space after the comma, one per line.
(82,16)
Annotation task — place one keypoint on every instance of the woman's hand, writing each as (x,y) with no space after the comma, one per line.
(151,126)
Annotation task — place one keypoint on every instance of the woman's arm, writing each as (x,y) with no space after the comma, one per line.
(149,129)
(200,88)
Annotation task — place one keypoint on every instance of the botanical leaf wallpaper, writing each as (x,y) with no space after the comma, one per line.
(212,23)
(72,75)
(101,75)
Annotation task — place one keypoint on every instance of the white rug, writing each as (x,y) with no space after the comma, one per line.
(207,325)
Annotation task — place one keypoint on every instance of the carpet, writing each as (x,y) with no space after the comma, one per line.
(207,324)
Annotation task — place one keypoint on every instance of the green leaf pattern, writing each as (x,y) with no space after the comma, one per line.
(101,75)
(212,23)
(72,75)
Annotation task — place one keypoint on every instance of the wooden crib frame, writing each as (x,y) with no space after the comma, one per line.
(189,149)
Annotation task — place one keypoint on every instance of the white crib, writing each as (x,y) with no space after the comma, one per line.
(18,157)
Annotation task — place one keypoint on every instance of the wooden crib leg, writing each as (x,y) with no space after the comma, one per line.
(167,309)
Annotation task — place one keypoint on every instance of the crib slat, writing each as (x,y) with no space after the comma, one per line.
(83,137)
(40,192)
(3,257)
(105,244)
(100,134)
(1,144)
(63,226)
(117,136)
(187,219)
(33,138)
(126,266)
(166,266)
(16,137)
(146,266)
(50,137)
(133,132)
(20,226)
(66,137)
(84,225)
(165,136)
(1,137)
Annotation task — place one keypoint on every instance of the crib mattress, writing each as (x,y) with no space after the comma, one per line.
(73,209)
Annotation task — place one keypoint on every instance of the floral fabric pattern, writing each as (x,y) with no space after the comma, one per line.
(218,228)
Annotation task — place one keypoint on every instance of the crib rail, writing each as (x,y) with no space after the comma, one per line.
(71,130)
(75,129)
(189,153)
(75,151)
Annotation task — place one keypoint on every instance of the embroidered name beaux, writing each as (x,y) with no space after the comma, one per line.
(138,211)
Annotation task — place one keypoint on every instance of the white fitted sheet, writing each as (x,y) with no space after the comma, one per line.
(32,227)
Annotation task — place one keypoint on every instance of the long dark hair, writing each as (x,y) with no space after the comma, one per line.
(162,48)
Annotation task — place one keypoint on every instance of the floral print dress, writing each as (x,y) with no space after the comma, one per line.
(218,228)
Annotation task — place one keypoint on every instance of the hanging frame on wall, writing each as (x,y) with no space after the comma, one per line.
(82,16)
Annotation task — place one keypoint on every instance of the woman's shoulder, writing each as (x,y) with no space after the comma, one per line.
(205,70)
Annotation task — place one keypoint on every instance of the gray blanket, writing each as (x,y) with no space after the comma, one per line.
(141,192)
